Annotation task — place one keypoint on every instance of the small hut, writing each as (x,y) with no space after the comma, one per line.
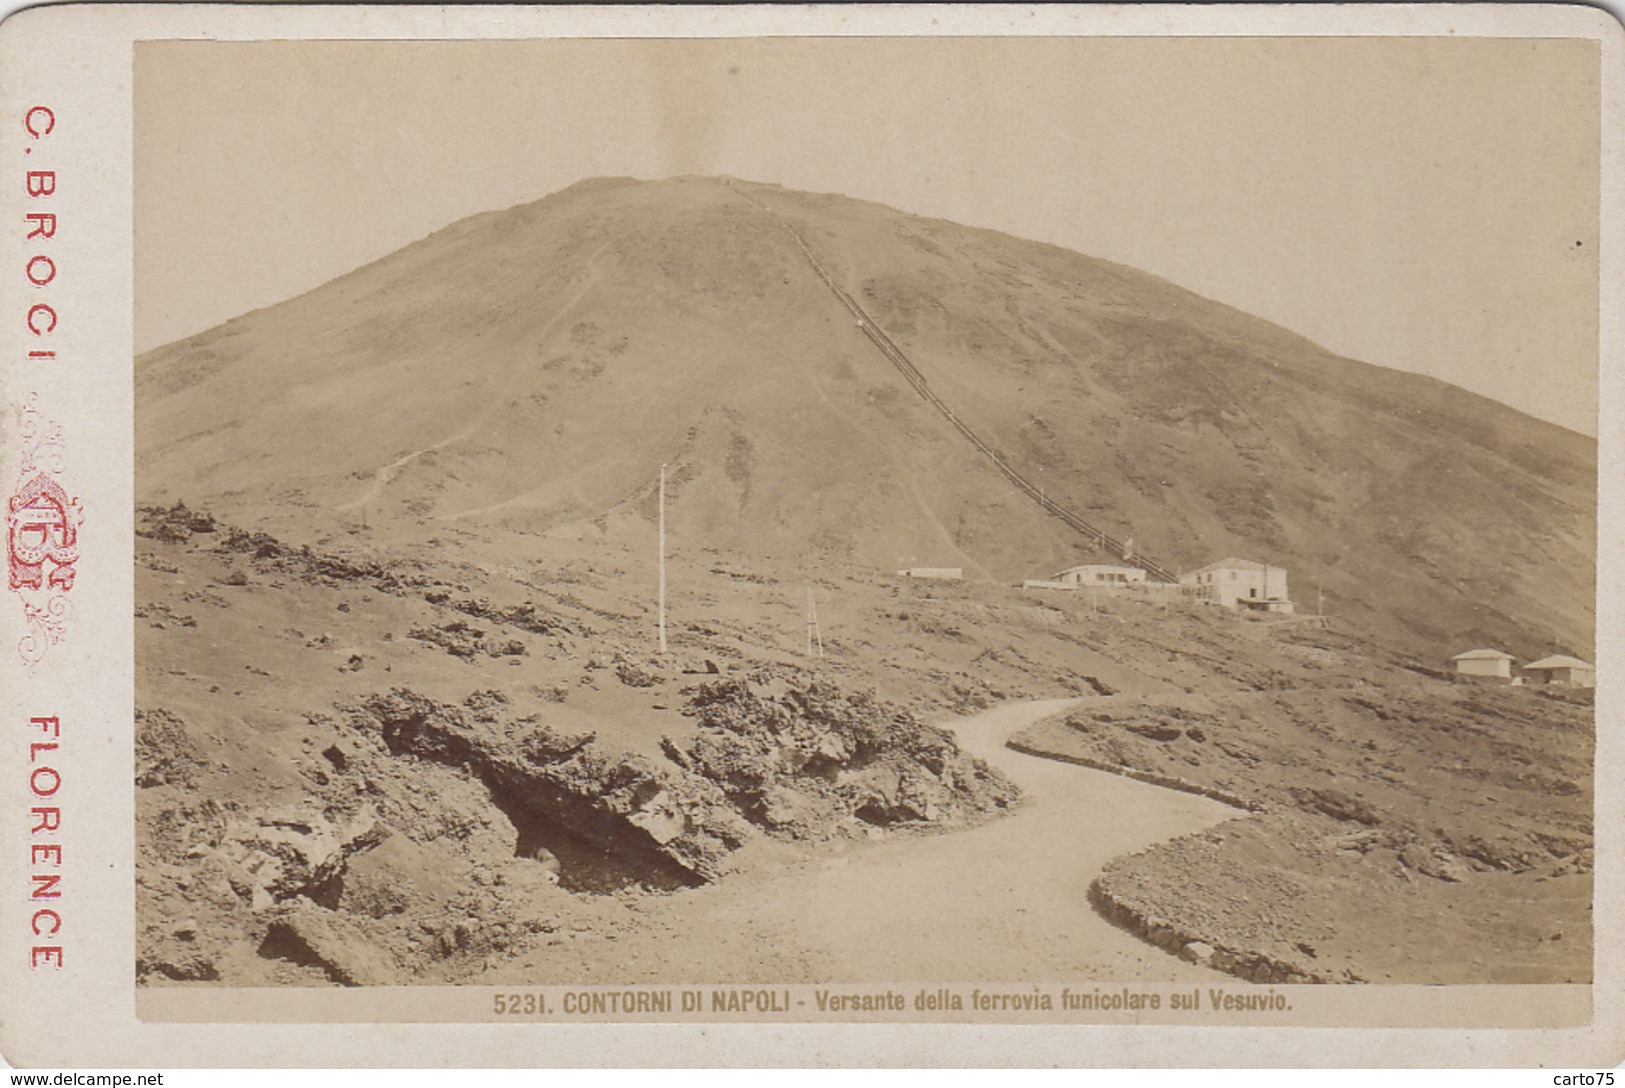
(1560,669)
(1484,663)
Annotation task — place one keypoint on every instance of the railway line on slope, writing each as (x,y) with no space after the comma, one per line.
(905,366)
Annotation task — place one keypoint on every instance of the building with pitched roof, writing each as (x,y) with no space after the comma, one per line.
(1561,669)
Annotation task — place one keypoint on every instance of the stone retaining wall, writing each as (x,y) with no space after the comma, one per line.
(1193,948)
(1149,777)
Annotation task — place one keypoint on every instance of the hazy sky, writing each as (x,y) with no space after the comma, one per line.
(1426,204)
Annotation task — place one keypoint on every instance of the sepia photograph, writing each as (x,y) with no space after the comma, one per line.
(985,523)
(863,536)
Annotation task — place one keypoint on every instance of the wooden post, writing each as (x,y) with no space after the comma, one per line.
(662,545)
(813,633)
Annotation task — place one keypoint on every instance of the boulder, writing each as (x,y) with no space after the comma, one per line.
(310,934)
(1196,952)
(1435,862)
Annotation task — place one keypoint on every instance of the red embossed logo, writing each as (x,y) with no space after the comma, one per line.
(43,523)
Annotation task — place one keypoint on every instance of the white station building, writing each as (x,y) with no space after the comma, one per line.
(1241,583)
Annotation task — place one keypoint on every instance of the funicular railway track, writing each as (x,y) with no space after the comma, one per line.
(911,373)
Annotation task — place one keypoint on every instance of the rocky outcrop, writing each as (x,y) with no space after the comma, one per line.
(527,616)
(293,851)
(463,641)
(802,758)
(172,524)
(1338,805)
(165,753)
(307,934)
(674,826)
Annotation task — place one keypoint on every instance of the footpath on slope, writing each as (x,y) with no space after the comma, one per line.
(895,355)
(1005,901)
(385,474)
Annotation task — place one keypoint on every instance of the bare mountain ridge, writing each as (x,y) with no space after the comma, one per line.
(530,369)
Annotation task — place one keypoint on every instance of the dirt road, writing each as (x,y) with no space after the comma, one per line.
(1004,901)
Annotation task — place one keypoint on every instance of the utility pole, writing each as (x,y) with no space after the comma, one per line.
(662,558)
(813,634)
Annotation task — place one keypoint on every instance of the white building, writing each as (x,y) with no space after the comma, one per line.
(1099,574)
(1562,669)
(1484,663)
(1241,583)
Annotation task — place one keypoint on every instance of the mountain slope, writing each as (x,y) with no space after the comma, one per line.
(531,369)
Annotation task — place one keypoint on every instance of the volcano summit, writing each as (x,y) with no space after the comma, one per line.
(532,368)
(400,715)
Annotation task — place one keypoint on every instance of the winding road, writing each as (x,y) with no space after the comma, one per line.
(1005,901)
